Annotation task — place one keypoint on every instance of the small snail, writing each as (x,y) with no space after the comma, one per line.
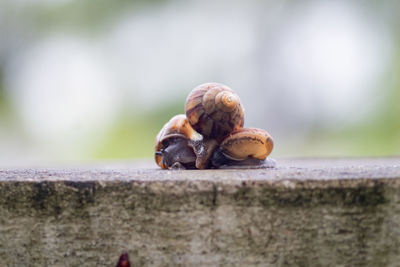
(214,110)
(244,147)
(172,147)
(211,135)
(179,146)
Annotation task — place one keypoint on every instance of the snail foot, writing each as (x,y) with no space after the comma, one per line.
(250,163)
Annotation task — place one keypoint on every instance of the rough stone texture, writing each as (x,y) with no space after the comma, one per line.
(305,212)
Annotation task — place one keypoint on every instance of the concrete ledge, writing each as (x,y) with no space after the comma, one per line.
(305,212)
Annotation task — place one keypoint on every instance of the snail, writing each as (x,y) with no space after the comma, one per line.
(211,134)
(179,146)
(246,147)
(214,110)
(172,147)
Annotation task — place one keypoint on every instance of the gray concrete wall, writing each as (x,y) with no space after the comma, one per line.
(303,213)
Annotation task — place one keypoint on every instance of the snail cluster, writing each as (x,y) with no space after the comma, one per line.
(210,134)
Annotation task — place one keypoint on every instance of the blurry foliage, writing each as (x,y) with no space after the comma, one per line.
(133,136)
(85,14)
(379,135)
(4,105)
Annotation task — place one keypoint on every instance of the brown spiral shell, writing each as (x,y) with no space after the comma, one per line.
(214,110)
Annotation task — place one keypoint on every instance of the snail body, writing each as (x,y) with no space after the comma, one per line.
(214,110)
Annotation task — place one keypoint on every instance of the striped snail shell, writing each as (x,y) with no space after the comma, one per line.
(214,110)
(247,143)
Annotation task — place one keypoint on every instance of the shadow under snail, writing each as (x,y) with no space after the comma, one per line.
(211,134)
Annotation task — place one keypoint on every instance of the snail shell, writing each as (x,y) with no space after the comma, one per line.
(172,143)
(247,143)
(214,110)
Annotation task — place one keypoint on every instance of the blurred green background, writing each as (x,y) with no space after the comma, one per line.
(89,80)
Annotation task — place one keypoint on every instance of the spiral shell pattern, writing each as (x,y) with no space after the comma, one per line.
(214,110)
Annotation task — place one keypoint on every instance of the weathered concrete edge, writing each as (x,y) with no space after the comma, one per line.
(170,194)
(333,221)
(281,182)
(200,185)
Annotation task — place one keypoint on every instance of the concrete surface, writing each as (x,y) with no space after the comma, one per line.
(305,212)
